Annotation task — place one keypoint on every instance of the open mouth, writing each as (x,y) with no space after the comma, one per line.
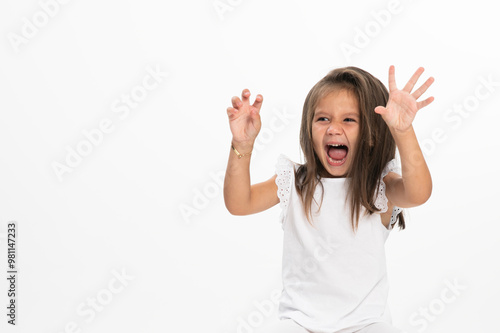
(336,154)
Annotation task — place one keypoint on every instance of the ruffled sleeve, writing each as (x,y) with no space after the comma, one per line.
(381,200)
(284,180)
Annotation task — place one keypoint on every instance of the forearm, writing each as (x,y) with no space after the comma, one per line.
(237,187)
(416,177)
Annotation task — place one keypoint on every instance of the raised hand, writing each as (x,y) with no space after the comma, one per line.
(402,106)
(244,119)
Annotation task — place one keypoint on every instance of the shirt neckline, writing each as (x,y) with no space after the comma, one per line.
(337,179)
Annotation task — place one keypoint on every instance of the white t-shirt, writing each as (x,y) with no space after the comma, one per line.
(333,280)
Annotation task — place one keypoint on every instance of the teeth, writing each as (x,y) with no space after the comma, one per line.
(335,145)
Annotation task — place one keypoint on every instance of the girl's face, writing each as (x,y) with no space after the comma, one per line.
(335,130)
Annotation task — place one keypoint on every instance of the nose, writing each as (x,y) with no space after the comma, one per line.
(334,129)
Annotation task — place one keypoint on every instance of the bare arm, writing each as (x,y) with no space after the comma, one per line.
(414,186)
(240,197)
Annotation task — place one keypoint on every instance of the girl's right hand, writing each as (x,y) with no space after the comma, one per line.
(244,119)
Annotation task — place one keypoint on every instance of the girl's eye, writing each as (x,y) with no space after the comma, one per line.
(322,118)
(349,119)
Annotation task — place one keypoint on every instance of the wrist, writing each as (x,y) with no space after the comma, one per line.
(243,146)
(399,132)
(242,149)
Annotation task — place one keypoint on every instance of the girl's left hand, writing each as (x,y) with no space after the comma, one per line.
(402,106)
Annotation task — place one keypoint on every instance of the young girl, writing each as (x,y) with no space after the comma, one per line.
(338,208)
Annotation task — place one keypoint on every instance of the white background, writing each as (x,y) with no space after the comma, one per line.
(123,207)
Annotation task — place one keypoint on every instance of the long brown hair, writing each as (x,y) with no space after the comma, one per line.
(374,149)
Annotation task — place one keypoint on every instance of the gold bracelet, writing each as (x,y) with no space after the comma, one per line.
(238,153)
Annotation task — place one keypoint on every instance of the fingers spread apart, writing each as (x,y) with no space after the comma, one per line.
(413,80)
(420,91)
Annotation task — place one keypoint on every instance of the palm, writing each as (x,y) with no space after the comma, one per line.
(401,110)
(402,106)
(245,124)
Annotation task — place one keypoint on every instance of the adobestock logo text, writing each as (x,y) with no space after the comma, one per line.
(95,136)
(31,27)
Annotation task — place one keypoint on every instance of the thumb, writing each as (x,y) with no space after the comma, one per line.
(380,110)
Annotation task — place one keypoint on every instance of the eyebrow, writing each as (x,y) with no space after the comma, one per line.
(350,114)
